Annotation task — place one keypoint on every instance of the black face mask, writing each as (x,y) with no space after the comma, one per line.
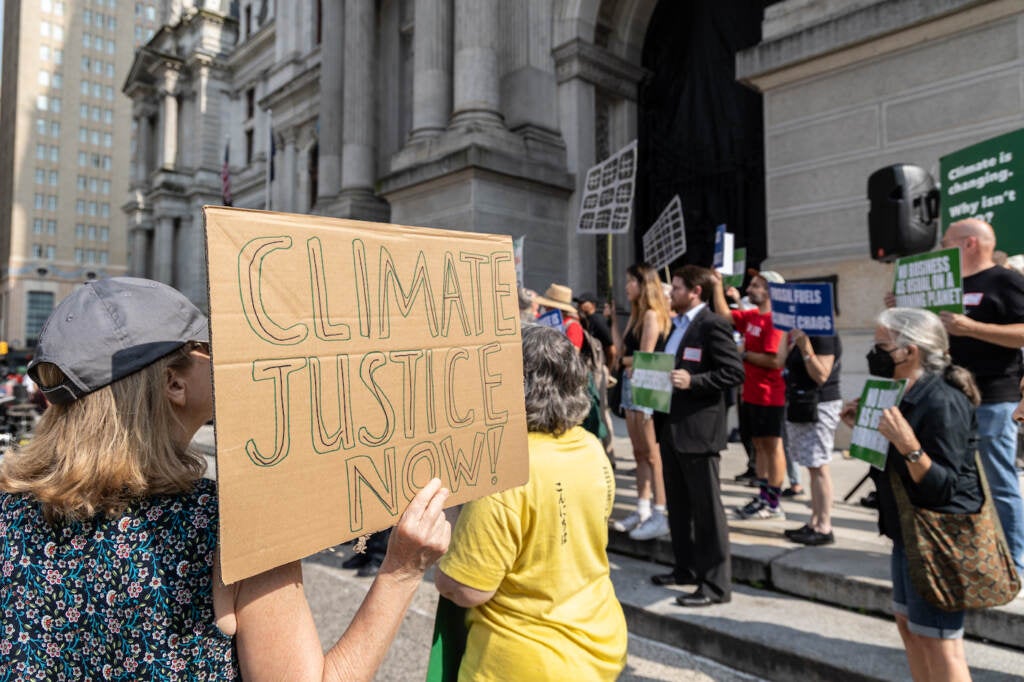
(880,363)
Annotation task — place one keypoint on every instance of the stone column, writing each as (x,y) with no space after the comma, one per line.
(141,142)
(140,252)
(358,127)
(163,250)
(169,121)
(477,97)
(432,68)
(288,171)
(332,58)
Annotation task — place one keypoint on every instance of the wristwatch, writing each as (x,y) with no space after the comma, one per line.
(913,455)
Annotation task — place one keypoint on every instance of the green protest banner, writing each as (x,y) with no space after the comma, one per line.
(652,380)
(931,281)
(867,443)
(983,181)
(739,268)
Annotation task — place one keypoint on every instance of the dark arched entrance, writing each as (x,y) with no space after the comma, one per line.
(701,134)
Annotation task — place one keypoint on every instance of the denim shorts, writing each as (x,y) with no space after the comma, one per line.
(627,397)
(924,618)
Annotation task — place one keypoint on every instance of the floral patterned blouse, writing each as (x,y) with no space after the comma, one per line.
(127,598)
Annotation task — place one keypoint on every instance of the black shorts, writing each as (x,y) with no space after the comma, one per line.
(762,421)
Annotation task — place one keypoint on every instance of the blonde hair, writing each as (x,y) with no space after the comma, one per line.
(652,297)
(99,453)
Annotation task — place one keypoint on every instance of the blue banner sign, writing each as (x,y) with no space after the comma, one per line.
(719,246)
(804,306)
(552,318)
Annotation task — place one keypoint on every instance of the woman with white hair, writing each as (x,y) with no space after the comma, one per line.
(932,435)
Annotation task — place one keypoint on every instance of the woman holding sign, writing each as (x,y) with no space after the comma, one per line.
(932,435)
(647,330)
(109,543)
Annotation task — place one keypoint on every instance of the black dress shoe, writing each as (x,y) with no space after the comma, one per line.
(356,561)
(699,598)
(663,579)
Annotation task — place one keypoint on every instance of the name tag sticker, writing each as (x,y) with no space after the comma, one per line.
(973,298)
(692,354)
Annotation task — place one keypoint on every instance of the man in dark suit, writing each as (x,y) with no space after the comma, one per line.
(692,437)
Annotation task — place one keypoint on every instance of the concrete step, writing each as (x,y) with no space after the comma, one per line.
(781,637)
(852,573)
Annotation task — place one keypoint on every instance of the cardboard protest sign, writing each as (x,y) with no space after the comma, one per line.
(739,269)
(866,443)
(651,382)
(804,306)
(931,281)
(552,318)
(984,181)
(606,206)
(666,240)
(354,361)
(718,259)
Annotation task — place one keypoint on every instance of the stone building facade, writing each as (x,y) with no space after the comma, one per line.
(851,87)
(467,114)
(484,115)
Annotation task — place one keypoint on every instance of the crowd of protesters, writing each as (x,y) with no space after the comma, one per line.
(109,471)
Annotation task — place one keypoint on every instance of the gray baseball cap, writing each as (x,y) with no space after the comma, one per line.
(110,328)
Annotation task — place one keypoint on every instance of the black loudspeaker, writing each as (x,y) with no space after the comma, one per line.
(904,211)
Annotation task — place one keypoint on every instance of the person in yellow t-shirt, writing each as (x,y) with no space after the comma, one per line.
(530,562)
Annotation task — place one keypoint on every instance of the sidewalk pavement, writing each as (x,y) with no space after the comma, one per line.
(815,612)
(808,613)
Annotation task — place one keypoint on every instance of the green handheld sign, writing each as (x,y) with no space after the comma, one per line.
(866,443)
(931,281)
(651,382)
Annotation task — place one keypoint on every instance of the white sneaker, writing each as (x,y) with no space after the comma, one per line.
(655,526)
(628,523)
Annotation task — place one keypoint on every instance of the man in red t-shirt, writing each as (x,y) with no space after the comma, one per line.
(764,391)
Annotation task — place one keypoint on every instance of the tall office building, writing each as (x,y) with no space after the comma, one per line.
(65,150)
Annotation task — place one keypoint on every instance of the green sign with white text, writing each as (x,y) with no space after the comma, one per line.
(984,181)
(931,281)
(651,382)
(866,443)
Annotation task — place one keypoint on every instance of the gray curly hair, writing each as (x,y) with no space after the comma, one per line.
(554,381)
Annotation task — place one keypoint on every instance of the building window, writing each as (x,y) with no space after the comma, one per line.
(37,250)
(92,233)
(79,256)
(38,201)
(54,178)
(248,146)
(42,102)
(54,128)
(248,21)
(44,78)
(79,231)
(104,210)
(51,252)
(250,103)
(40,305)
(37,226)
(44,53)
(40,176)
(51,202)
(51,228)
(54,153)
(104,234)
(57,81)
(41,152)
(55,105)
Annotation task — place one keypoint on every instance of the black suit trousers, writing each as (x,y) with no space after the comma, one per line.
(700,532)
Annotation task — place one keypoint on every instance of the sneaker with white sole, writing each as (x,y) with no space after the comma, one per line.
(751,508)
(655,526)
(627,524)
(768,513)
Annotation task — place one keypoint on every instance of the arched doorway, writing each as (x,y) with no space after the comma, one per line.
(701,134)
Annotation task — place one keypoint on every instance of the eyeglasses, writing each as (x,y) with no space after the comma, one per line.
(879,348)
